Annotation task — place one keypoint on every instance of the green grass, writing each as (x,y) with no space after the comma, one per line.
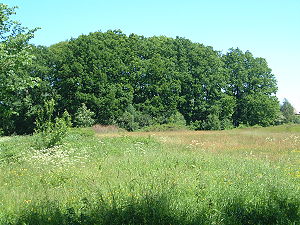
(243,176)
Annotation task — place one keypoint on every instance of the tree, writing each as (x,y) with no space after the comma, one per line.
(253,87)
(14,56)
(259,109)
(91,70)
(288,111)
(203,81)
(134,81)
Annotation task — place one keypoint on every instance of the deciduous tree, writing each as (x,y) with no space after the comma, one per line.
(288,111)
(14,57)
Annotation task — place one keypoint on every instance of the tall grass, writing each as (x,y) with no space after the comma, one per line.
(153,178)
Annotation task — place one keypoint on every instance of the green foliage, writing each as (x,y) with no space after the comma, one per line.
(212,123)
(259,109)
(129,119)
(50,131)
(288,112)
(133,82)
(226,124)
(84,117)
(177,119)
(15,56)
(297,119)
(241,126)
(280,118)
(132,120)
(252,85)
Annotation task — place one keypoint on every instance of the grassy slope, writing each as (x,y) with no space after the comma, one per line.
(242,176)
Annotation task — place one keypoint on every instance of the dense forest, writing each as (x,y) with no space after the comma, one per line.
(131,81)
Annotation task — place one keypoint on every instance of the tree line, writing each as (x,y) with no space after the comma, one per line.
(131,81)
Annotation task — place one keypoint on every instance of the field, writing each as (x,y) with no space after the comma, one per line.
(240,176)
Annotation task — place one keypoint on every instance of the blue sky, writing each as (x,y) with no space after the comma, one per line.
(267,28)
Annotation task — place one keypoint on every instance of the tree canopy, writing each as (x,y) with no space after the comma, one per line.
(132,81)
(288,112)
(15,57)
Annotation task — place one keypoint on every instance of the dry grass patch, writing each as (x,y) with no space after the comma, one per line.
(104,129)
(263,143)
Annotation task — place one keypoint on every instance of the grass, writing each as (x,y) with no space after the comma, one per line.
(241,176)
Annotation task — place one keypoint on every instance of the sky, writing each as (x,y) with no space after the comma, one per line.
(267,28)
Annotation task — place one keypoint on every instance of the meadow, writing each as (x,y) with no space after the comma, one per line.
(239,176)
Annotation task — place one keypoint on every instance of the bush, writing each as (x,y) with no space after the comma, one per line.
(178,119)
(84,117)
(226,124)
(133,119)
(49,132)
(242,125)
(211,123)
(297,119)
(127,121)
(143,119)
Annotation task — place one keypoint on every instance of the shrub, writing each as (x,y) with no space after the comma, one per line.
(178,119)
(50,132)
(143,119)
(297,119)
(127,121)
(211,123)
(226,124)
(133,119)
(242,125)
(84,117)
